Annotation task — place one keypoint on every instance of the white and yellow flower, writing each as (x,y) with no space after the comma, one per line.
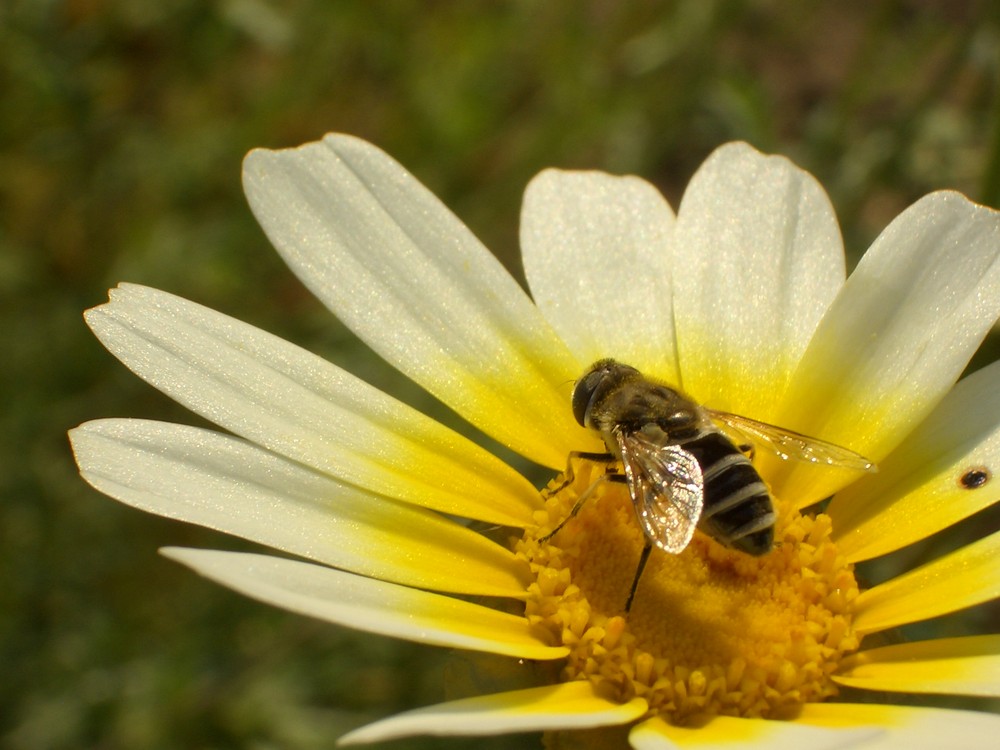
(740,298)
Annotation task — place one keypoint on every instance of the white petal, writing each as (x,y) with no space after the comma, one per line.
(918,490)
(910,727)
(597,258)
(366,604)
(295,403)
(731,733)
(225,483)
(899,335)
(402,272)
(758,258)
(571,705)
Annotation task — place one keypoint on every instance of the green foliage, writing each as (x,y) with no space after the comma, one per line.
(120,145)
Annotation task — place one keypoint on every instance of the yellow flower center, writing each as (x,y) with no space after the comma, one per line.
(711,630)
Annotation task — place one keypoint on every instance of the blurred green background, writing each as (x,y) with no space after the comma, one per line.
(123,126)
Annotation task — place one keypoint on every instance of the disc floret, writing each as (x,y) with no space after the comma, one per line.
(711,630)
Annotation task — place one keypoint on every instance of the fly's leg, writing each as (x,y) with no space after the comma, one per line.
(643,559)
(611,475)
(580,501)
(575,458)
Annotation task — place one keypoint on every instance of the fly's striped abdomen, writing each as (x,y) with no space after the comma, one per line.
(737,508)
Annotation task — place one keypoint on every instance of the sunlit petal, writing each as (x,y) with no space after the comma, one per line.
(402,272)
(571,705)
(297,404)
(968,576)
(730,733)
(596,252)
(909,727)
(919,488)
(366,604)
(896,339)
(758,258)
(960,666)
(227,484)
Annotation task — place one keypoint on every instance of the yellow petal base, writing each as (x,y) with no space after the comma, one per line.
(711,631)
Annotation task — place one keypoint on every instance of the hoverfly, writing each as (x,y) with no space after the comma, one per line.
(681,468)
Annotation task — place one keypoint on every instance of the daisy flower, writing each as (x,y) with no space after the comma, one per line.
(739,298)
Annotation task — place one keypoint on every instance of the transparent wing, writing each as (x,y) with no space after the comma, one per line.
(788,444)
(666,487)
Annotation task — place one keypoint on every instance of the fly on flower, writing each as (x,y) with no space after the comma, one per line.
(682,465)
(317,464)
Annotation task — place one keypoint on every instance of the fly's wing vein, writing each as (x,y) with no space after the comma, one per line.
(789,444)
(667,489)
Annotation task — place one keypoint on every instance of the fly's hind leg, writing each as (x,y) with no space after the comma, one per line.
(569,476)
(643,559)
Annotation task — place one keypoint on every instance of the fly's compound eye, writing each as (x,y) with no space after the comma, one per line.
(583,394)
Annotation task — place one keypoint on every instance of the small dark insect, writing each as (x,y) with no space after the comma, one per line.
(975,478)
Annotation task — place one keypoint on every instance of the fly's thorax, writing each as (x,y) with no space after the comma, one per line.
(612,396)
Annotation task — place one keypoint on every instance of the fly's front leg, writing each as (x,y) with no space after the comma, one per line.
(569,476)
(575,458)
